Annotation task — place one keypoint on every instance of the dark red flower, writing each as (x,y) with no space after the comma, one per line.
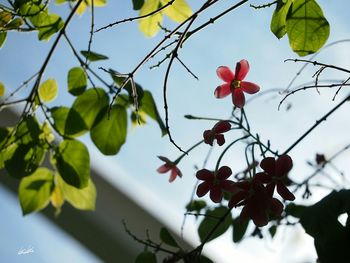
(257,202)
(234,83)
(169,166)
(275,174)
(215,183)
(216,133)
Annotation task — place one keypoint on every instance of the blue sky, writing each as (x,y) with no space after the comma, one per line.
(243,34)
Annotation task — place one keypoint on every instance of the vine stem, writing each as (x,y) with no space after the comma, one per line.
(318,122)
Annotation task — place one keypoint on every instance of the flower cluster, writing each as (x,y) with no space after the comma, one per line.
(169,166)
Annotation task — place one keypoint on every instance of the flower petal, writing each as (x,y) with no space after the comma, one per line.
(263,177)
(222,126)
(238,98)
(223,173)
(220,138)
(226,185)
(283,165)
(268,165)
(205,175)
(208,137)
(222,91)
(242,69)
(237,197)
(216,194)
(225,73)
(283,191)
(249,87)
(173,174)
(276,207)
(163,169)
(203,189)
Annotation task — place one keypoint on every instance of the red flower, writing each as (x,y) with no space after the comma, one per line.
(169,166)
(275,173)
(257,202)
(234,83)
(215,183)
(216,133)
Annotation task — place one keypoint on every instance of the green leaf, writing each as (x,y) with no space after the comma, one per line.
(28,131)
(146,257)
(5,17)
(7,153)
(148,106)
(77,81)
(278,21)
(48,90)
(273,230)
(24,160)
(150,25)
(83,199)
(295,210)
(93,56)
(307,28)
(2,38)
(211,220)
(47,24)
(196,205)
(137,4)
(68,122)
(239,229)
(178,11)
(15,23)
(167,238)
(204,259)
(110,133)
(90,104)
(2,89)
(73,163)
(35,190)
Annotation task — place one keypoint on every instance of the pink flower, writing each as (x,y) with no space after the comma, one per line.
(216,133)
(169,166)
(275,174)
(215,183)
(234,83)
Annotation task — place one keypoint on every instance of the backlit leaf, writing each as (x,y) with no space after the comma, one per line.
(178,11)
(2,89)
(35,190)
(90,104)
(73,163)
(2,38)
(150,25)
(84,199)
(307,28)
(93,56)
(77,81)
(48,90)
(86,3)
(47,24)
(278,21)
(109,134)
(68,122)
(209,222)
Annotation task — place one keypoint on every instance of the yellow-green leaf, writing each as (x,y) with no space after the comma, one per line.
(2,38)
(84,199)
(2,89)
(57,198)
(86,3)
(35,190)
(5,17)
(178,11)
(150,25)
(48,90)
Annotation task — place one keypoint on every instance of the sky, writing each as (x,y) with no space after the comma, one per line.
(242,34)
